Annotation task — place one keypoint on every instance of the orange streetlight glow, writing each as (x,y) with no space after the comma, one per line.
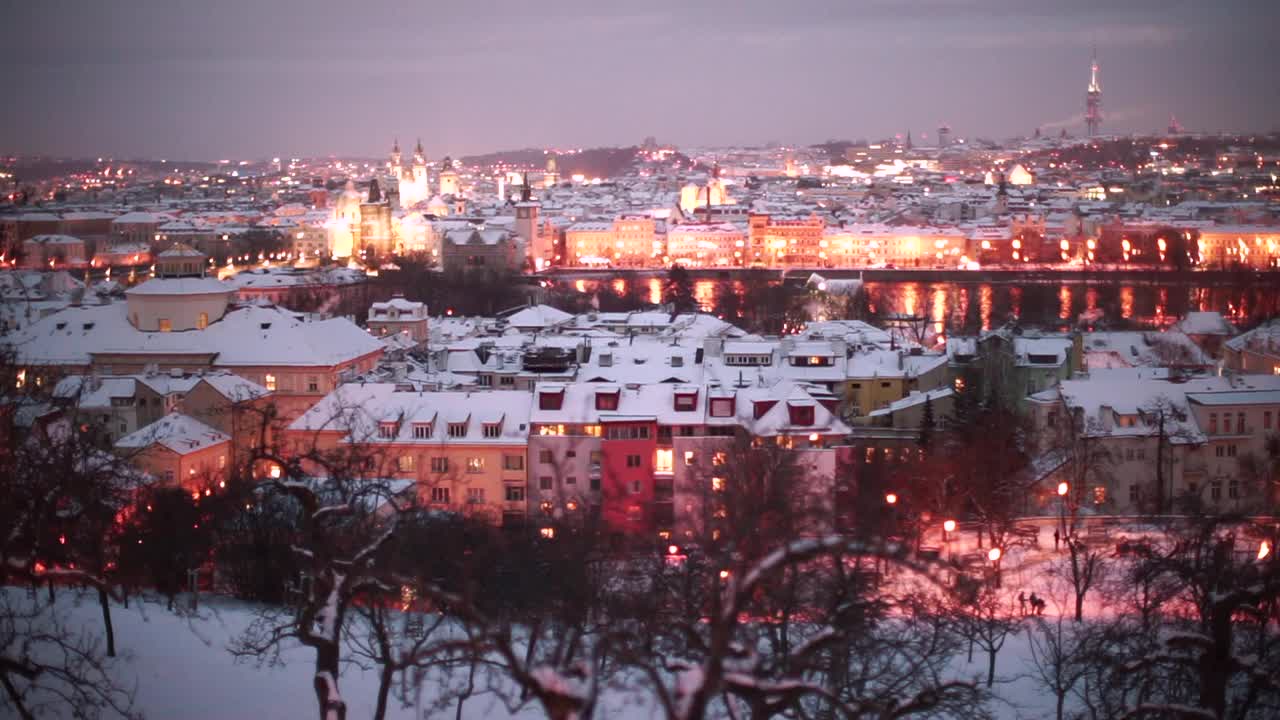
(949,526)
(1062,488)
(891,498)
(994,554)
(1264,550)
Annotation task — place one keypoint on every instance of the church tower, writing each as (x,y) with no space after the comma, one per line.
(420,166)
(449,178)
(375,223)
(551,177)
(394,164)
(1093,99)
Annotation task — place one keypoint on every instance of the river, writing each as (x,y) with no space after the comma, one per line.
(968,306)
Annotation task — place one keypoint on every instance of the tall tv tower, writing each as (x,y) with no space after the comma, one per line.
(1093,99)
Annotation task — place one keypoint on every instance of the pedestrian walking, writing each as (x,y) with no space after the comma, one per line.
(1056,537)
(1022,602)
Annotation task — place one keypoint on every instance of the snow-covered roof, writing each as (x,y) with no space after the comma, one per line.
(538,316)
(181,286)
(1205,323)
(180,433)
(249,336)
(360,412)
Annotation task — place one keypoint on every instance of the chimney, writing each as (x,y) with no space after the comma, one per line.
(1107,417)
(713,346)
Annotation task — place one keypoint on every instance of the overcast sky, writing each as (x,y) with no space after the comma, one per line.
(186,79)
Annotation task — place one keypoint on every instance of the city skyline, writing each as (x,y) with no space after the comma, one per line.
(200,83)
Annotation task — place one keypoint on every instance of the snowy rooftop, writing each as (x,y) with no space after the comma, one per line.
(250,336)
(180,433)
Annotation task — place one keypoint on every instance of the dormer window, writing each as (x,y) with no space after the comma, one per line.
(607,400)
(606,359)
(550,399)
(686,402)
(677,361)
(801,414)
(493,430)
(458,429)
(387,429)
(761,407)
(721,407)
(422,431)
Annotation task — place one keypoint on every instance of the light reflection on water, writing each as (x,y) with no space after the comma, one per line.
(973,306)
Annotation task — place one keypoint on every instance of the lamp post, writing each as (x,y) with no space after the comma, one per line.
(994,556)
(1063,489)
(948,527)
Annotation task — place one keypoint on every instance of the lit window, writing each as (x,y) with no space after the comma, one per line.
(202,322)
(663,460)
(405,462)
(717,484)
(548,532)
(165,325)
(270,381)
(1099,495)
(475,464)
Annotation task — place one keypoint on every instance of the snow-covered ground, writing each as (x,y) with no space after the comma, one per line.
(181,667)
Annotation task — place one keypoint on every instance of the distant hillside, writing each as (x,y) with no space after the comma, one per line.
(594,162)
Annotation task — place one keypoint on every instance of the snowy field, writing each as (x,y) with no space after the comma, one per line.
(181,668)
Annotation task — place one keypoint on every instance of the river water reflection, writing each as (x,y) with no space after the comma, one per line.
(970,306)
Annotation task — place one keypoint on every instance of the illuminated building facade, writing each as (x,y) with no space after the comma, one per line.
(787,242)
(626,241)
(413,185)
(706,245)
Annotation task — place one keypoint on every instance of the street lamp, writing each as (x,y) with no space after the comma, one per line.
(1063,489)
(948,527)
(994,555)
(891,498)
(1264,550)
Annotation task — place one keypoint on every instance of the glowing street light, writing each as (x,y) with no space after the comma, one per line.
(949,526)
(994,554)
(1264,550)
(891,498)
(1062,489)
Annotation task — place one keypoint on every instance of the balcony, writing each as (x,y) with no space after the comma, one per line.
(663,489)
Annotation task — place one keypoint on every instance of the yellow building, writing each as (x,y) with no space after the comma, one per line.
(1253,246)
(627,241)
(465,452)
(706,245)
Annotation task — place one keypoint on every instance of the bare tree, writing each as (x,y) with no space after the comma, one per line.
(348,511)
(1213,650)
(1061,657)
(987,621)
(59,492)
